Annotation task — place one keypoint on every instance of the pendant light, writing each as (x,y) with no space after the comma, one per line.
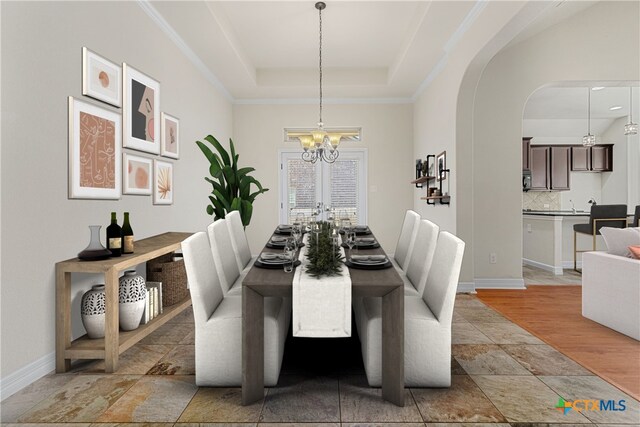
(631,128)
(589,140)
(320,145)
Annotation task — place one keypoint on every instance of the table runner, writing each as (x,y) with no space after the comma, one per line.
(321,307)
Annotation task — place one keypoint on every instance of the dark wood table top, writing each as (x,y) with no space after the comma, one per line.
(275,282)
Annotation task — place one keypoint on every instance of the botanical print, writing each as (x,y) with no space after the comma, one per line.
(101,78)
(141,111)
(169,136)
(142,122)
(441,162)
(137,178)
(163,189)
(97,152)
(94,152)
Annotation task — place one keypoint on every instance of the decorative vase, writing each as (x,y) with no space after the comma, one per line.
(92,310)
(132,295)
(95,250)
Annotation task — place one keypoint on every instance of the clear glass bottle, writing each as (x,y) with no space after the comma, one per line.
(114,236)
(127,235)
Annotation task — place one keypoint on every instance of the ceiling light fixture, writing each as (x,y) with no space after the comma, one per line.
(631,128)
(615,108)
(597,88)
(589,140)
(320,145)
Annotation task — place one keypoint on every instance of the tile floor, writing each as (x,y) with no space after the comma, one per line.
(537,276)
(502,376)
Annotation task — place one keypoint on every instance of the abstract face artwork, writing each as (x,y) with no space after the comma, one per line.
(97,152)
(142,121)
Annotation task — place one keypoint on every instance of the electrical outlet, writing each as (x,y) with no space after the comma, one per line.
(546,206)
(528,228)
(493,258)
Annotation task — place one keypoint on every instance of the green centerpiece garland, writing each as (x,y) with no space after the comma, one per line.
(325,258)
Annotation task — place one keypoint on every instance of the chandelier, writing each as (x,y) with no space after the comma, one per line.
(631,128)
(318,144)
(589,140)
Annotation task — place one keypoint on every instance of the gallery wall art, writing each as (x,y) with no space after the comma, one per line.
(141,111)
(94,151)
(101,78)
(170,136)
(137,174)
(163,182)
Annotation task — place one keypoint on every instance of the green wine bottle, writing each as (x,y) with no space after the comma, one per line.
(114,236)
(127,235)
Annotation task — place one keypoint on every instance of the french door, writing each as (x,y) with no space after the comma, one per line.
(338,188)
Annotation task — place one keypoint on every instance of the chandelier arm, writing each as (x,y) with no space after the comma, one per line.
(320,60)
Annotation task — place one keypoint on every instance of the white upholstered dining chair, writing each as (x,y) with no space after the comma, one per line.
(427,323)
(224,258)
(406,240)
(218,323)
(239,240)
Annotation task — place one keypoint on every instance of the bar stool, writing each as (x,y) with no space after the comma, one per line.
(636,217)
(601,216)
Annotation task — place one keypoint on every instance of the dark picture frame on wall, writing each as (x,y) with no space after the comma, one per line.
(441,164)
(140,111)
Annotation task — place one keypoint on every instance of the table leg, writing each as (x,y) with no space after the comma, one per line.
(393,346)
(252,346)
(111,321)
(63,319)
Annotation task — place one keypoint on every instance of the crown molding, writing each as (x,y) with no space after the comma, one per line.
(314,101)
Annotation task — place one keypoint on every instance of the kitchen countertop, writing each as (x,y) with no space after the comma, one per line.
(559,213)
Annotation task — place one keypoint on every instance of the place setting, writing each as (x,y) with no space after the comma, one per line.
(360,230)
(276,260)
(284,229)
(368,262)
(363,243)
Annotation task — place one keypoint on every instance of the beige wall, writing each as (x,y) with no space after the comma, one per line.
(41,66)
(386,133)
(565,52)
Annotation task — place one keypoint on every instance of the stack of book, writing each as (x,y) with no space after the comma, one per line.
(153,306)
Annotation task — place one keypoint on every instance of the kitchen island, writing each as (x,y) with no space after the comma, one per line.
(547,238)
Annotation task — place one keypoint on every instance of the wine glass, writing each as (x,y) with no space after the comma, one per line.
(351,241)
(289,256)
(296,233)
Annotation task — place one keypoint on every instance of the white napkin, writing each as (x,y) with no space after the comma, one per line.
(321,307)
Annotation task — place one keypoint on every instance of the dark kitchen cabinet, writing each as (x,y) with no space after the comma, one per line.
(539,164)
(550,167)
(560,157)
(526,143)
(598,158)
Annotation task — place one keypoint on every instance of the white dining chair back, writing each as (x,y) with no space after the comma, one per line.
(442,282)
(204,284)
(422,254)
(223,256)
(407,239)
(238,239)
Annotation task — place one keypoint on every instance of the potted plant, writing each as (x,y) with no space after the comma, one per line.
(231,186)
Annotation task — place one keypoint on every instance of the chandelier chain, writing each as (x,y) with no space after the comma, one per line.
(320,62)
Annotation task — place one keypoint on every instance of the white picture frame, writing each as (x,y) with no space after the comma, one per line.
(95,167)
(137,174)
(169,136)
(140,111)
(162,182)
(101,78)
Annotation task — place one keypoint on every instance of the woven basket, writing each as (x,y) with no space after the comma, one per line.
(172,275)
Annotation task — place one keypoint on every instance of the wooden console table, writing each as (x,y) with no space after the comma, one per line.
(114,341)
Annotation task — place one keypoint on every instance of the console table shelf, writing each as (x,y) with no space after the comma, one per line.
(115,341)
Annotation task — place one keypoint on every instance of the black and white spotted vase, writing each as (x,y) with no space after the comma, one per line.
(92,310)
(132,296)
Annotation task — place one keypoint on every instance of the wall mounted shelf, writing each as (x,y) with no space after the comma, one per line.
(422,168)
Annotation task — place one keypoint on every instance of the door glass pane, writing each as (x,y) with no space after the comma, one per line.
(302,194)
(343,189)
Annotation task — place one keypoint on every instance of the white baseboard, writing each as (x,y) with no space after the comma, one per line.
(499,284)
(546,267)
(466,287)
(26,375)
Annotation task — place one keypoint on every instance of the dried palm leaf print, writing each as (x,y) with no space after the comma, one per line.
(164,182)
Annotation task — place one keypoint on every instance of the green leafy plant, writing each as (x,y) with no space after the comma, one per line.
(231,186)
(325,259)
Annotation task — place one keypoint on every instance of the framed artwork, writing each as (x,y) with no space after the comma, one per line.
(141,111)
(137,174)
(94,151)
(163,182)
(101,78)
(169,135)
(441,164)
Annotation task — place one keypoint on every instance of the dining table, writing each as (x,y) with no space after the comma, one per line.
(383,283)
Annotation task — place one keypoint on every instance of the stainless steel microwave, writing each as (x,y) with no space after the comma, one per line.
(526,180)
